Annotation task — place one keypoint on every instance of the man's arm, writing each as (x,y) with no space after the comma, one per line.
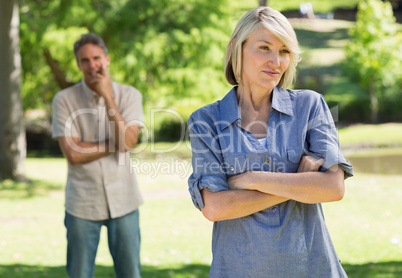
(78,152)
(125,135)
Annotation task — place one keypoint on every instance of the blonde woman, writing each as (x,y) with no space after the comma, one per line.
(265,158)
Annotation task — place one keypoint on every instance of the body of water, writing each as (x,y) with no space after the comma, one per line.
(378,164)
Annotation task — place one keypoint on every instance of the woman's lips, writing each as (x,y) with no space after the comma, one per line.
(271,73)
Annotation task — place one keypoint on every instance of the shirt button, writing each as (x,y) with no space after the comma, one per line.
(231,168)
(267,160)
(274,209)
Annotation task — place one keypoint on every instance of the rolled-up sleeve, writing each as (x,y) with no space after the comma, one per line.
(207,161)
(322,138)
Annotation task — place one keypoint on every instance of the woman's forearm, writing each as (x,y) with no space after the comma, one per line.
(307,187)
(231,204)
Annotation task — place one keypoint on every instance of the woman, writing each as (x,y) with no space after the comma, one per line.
(264,158)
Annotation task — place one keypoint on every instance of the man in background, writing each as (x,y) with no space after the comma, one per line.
(97,122)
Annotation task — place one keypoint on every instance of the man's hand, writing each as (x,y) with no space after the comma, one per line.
(125,135)
(103,84)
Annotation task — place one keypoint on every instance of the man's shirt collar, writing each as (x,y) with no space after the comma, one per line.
(88,92)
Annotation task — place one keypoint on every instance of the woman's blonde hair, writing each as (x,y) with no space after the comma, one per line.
(277,24)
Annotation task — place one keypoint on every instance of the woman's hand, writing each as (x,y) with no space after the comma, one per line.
(306,186)
(240,181)
(244,180)
(309,164)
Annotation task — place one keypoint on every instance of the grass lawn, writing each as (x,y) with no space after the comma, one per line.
(175,237)
(365,226)
(381,135)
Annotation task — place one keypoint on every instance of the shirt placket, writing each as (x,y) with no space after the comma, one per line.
(274,214)
(102,136)
(101,120)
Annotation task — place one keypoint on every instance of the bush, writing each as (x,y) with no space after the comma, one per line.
(170,130)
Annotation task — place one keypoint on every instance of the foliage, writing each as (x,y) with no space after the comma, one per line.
(167,49)
(172,51)
(373,56)
(318,5)
(170,130)
(38,85)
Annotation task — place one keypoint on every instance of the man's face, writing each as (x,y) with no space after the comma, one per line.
(91,59)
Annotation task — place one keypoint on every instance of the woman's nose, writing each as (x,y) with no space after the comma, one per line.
(274,59)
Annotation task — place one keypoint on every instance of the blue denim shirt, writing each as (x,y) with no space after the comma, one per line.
(286,240)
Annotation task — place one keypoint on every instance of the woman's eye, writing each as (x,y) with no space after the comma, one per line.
(285,51)
(264,47)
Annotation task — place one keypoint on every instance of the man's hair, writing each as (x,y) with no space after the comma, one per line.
(278,25)
(92,39)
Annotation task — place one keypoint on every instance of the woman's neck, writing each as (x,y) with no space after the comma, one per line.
(253,99)
(254,108)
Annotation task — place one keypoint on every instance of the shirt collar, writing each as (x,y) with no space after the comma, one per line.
(281,101)
(229,110)
(89,94)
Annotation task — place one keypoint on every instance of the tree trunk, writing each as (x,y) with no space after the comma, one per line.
(263,2)
(57,73)
(373,102)
(12,131)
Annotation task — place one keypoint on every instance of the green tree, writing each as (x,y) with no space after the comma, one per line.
(38,18)
(12,132)
(373,55)
(172,51)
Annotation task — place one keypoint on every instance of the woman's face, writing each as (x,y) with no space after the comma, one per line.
(265,59)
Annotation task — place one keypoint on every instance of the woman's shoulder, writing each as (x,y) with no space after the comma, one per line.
(208,113)
(214,111)
(304,94)
(306,98)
